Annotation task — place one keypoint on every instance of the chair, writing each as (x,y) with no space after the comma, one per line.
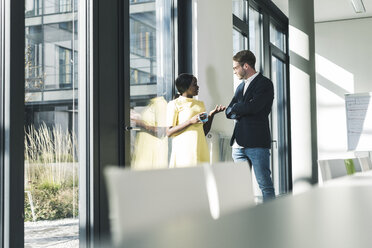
(332,168)
(365,163)
(234,185)
(357,165)
(140,200)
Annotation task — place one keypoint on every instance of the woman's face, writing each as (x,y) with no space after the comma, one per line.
(193,90)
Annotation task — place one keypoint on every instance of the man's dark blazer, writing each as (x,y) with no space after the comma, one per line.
(251,113)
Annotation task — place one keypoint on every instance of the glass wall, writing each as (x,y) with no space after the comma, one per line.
(278,76)
(151,80)
(51,176)
(240,42)
(277,37)
(239,8)
(1,133)
(256,36)
(280,110)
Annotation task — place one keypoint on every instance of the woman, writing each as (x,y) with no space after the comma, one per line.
(187,124)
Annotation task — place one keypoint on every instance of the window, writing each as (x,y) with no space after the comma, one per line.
(68,67)
(239,8)
(51,179)
(277,37)
(151,80)
(240,42)
(65,6)
(256,36)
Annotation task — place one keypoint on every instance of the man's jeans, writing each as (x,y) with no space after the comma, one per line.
(259,158)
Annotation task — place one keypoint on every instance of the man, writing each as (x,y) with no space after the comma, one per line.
(250,108)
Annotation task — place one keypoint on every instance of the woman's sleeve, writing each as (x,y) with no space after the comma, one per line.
(203,109)
(171,114)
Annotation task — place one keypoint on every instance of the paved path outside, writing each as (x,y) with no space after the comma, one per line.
(62,233)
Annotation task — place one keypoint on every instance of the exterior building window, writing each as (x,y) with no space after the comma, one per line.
(33,8)
(34,74)
(65,6)
(67,67)
(51,122)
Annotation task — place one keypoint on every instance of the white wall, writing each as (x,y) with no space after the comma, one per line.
(212,44)
(213,67)
(282,5)
(344,65)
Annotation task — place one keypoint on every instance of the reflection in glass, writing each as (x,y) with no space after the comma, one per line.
(255,37)
(51,145)
(151,80)
(277,37)
(151,141)
(238,8)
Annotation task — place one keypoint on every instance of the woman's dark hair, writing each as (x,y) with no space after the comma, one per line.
(183,82)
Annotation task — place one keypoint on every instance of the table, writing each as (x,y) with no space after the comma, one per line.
(326,217)
(357,179)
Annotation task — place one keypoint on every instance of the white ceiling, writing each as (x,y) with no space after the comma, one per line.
(331,10)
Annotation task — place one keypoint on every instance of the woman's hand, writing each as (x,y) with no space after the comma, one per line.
(195,119)
(217,109)
(173,130)
(135,118)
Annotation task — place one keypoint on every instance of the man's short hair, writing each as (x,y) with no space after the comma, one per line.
(245,56)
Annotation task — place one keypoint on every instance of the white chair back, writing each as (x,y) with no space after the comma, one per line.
(332,168)
(365,163)
(357,165)
(140,200)
(234,185)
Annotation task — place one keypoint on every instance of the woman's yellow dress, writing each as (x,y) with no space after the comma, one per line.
(189,147)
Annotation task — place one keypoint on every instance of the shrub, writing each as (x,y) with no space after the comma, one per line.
(51,174)
(52,201)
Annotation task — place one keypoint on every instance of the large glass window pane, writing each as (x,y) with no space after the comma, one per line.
(151,81)
(239,41)
(277,38)
(51,124)
(33,8)
(238,8)
(278,76)
(255,36)
(1,134)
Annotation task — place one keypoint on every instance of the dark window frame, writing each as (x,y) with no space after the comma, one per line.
(11,122)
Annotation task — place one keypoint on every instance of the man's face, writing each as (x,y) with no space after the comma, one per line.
(240,71)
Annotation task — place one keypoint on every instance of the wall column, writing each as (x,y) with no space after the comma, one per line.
(303,94)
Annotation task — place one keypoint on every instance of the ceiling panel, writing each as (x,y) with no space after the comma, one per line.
(331,10)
